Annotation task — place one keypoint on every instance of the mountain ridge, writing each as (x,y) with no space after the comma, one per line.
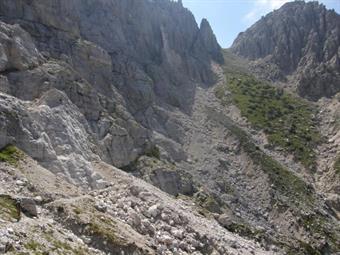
(301,39)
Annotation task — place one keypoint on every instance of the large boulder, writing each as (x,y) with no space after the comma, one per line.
(28,207)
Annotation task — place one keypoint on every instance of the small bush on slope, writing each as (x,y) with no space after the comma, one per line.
(10,154)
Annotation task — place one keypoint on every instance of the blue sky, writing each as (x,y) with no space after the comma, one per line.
(230,17)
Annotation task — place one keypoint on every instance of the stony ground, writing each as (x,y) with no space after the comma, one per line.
(130,216)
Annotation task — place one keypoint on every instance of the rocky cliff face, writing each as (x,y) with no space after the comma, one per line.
(122,75)
(300,39)
(149,59)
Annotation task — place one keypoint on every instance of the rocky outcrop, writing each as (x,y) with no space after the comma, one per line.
(206,41)
(28,207)
(300,39)
(153,57)
(55,115)
(163,175)
(17,51)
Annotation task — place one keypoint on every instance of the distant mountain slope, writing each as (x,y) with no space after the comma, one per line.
(300,39)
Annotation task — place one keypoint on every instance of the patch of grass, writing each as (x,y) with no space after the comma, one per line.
(317,224)
(70,250)
(153,152)
(99,226)
(288,121)
(9,210)
(207,202)
(302,249)
(283,180)
(10,154)
(34,247)
(65,247)
(104,228)
(77,210)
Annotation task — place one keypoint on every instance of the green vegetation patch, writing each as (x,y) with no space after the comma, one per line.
(63,246)
(285,182)
(300,195)
(9,210)
(207,202)
(246,230)
(34,247)
(317,224)
(302,249)
(10,154)
(153,152)
(56,246)
(288,121)
(98,226)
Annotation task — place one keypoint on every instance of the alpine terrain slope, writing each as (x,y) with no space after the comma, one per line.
(126,129)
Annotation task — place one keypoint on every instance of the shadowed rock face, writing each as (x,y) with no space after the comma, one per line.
(163,56)
(302,39)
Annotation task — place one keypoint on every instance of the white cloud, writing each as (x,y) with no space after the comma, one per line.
(261,7)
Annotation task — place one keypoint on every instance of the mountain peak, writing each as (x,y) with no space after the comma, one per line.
(207,40)
(297,38)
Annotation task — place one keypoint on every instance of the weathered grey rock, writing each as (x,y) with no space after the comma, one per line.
(166,180)
(64,100)
(134,218)
(166,49)
(225,220)
(4,85)
(334,202)
(17,50)
(154,211)
(28,207)
(207,41)
(149,227)
(101,206)
(178,233)
(165,239)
